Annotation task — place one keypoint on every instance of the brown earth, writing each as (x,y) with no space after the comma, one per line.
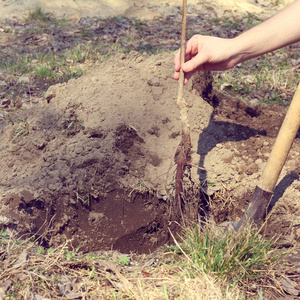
(94,163)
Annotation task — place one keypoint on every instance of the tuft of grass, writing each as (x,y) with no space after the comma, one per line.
(71,127)
(83,196)
(21,130)
(233,257)
(40,250)
(252,20)
(61,22)
(44,72)
(210,264)
(136,23)
(80,53)
(227,23)
(124,260)
(39,15)
(16,65)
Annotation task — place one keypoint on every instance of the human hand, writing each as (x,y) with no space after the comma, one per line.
(206,53)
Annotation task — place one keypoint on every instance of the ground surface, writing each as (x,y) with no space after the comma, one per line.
(93,160)
(144,9)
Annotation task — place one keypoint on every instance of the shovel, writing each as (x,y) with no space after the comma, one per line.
(257,208)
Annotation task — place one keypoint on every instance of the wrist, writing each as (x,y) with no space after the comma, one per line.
(242,50)
(236,52)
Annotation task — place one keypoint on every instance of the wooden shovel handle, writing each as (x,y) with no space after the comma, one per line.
(282,146)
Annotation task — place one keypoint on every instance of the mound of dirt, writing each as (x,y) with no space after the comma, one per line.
(89,156)
(92,161)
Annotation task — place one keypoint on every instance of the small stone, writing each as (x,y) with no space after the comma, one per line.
(253,101)
(139,59)
(259,161)
(22,258)
(225,86)
(252,168)
(210,190)
(23,79)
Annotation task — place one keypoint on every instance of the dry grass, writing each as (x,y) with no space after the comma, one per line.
(29,271)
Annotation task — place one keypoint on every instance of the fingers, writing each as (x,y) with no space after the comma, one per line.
(193,61)
(194,64)
(176,75)
(188,71)
(190,67)
(188,55)
(177,61)
(187,76)
(177,66)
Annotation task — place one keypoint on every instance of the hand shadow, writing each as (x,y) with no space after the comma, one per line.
(217,132)
(220,131)
(285,182)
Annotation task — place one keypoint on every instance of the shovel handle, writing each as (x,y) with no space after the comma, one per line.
(258,205)
(282,146)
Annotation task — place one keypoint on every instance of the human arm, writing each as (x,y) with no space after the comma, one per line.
(208,53)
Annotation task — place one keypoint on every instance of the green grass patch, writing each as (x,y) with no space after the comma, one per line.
(21,130)
(246,22)
(39,15)
(269,79)
(44,71)
(16,65)
(230,256)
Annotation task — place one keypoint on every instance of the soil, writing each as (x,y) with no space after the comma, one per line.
(93,160)
(94,165)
